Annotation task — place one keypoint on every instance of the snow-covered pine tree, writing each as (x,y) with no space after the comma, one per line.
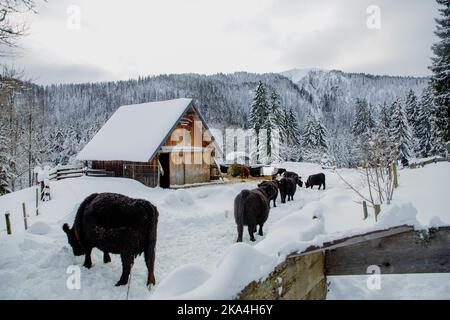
(423,125)
(363,124)
(400,132)
(440,67)
(363,119)
(309,135)
(290,136)
(382,138)
(437,136)
(321,136)
(272,124)
(411,108)
(5,172)
(258,113)
(314,140)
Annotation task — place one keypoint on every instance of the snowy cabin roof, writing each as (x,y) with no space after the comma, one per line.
(135,132)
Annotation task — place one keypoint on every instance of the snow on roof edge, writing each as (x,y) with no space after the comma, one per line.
(92,151)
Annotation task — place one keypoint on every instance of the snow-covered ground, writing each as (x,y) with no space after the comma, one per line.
(197,256)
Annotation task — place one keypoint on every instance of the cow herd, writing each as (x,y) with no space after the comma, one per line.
(251,207)
(117,224)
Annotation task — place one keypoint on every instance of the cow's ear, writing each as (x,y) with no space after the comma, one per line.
(66,228)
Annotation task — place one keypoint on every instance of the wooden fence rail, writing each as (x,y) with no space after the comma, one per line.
(75,172)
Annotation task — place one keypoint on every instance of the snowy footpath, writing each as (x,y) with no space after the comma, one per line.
(197,256)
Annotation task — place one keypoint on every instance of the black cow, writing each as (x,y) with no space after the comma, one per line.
(116,224)
(316,180)
(251,208)
(296,177)
(270,188)
(287,187)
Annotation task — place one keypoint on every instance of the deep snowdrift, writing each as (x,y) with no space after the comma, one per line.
(196,254)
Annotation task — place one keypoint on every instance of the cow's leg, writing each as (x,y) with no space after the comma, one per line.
(275,202)
(106,257)
(240,230)
(261,229)
(87,258)
(283,198)
(127,263)
(149,255)
(251,230)
(320,186)
(324,185)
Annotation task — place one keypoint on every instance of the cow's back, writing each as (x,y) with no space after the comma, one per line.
(253,207)
(115,223)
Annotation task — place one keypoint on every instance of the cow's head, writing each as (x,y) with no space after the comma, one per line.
(74,240)
(262,184)
(306,184)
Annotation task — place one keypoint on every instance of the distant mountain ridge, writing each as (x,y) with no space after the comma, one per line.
(332,93)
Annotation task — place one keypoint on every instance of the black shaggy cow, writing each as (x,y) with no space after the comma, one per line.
(287,187)
(251,208)
(296,177)
(117,224)
(316,180)
(270,188)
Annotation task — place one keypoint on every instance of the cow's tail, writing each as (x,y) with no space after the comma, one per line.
(150,246)
(239,207)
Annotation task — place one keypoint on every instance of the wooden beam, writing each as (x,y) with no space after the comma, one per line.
(395,251)
(342,242)
(299,278)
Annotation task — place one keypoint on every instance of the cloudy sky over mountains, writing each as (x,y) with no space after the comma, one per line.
(81,40)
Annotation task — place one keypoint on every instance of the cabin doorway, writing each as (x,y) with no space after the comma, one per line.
(164,160)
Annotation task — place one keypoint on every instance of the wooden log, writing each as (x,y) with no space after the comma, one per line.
(24,209)
(297,278)
(8,223)
(394,172)
(402,252)
(37,201)
(377,209)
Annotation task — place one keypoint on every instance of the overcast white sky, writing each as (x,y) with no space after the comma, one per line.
(124,39)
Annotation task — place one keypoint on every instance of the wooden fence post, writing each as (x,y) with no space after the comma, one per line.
(377,209)
(37,201)
(8,223)
(24,209)
(365,210)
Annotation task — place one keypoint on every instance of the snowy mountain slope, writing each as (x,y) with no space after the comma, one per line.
(196,235)
(295,75)
(345,87)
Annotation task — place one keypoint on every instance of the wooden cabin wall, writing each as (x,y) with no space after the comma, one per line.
(188,172)
(144,172)
(113,166)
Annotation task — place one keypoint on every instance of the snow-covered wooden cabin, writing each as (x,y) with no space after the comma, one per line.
(163,143)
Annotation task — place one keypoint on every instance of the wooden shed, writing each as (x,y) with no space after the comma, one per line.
(163,143)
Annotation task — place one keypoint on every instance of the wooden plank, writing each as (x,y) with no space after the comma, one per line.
(342,242)
(395,253)
(298,278)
